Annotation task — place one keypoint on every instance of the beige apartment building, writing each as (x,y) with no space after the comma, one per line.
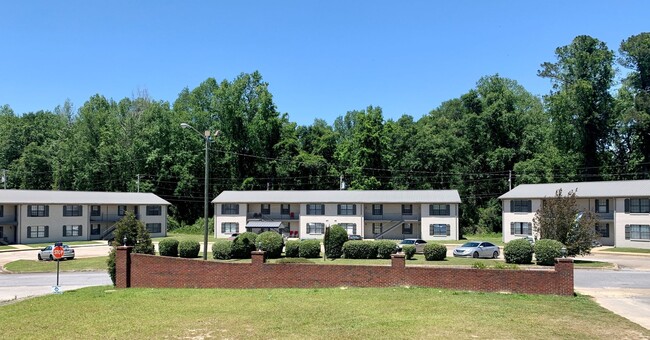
(39,216)
(623,209)
(372,214)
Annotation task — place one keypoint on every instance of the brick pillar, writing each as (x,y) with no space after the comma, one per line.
(398,261)
(564,269)
(258,257)
(123,267)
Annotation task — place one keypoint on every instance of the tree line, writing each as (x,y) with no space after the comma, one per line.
(591,126)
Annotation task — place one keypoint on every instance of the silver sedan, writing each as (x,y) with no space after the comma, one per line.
(477,249)
(46,253)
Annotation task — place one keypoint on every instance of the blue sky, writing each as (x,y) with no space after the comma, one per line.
(320,58)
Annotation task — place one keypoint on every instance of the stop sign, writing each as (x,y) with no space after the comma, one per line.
(58,252)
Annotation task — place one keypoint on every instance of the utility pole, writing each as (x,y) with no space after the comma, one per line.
(509,179)
(4,177)
(138,182)
(341,183)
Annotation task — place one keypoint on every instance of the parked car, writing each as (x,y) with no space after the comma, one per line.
(355,237)
(418,243)
(233,236)
(46,253)
(477,249)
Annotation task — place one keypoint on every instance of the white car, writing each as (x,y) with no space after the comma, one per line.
(477,249)
(418,243)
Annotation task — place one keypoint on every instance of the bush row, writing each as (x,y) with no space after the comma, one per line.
(520,251)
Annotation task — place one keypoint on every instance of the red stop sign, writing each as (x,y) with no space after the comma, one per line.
(58,252)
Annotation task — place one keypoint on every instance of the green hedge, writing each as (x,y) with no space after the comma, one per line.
(292,248)
(271,242)
(168,247)
(546,251)
(360,250)
(309,248)
(409,251)
(518,251)
(189,249)
(243,245)
(435,252)
(385,249)
(222,250)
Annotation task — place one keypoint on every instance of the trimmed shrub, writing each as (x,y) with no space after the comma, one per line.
(189,249)
(309,248)
(385,249)
(292,248)
(271,242)
(478,265)
(168,247)
(546,251)
(518,251)
(243,245)
(334,240)
(360,250)
(435,252)
(222,250)
(409,251)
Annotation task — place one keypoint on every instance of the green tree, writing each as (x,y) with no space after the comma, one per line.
(130,232)
(560,219)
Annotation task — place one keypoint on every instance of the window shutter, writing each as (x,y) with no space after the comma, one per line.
(338,209)
(627,205)
(47,230)
(448,230)
(607,206)
(322,209)
(47,210)
(65,231)
(512,206)
(627,231)
(448,210)
(512,226)
(81,231)
(29,232)
(596,209)
(354,209)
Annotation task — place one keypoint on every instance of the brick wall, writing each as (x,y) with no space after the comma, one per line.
(139,270)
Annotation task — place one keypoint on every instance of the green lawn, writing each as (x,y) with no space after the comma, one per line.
(35,266)
(183,237)
(337,313)
(72,243)
(6,247)
(628,250)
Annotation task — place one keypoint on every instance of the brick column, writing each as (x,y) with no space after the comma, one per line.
(258,257)
(123,267)
(398,261)
(564,269)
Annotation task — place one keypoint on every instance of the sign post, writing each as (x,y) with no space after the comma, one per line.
(57,254)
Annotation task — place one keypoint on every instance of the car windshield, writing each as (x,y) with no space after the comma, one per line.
(470,244)
(407,242)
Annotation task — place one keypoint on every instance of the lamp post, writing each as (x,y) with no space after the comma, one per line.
(206,137)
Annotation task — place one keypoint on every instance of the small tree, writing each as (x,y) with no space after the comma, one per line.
(334,239)
(560,219)
(136,235)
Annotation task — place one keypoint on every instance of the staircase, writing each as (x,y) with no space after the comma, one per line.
(108,233)
(4,241)
(395,225)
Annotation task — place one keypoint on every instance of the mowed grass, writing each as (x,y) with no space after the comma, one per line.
(72,243)
(182,237)
(35,266)
(628,250)
(354,313)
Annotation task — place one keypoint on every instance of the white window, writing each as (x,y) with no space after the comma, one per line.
(521,228)
(72,210)
(121,210)
(377,209)
(602,229)
(230,209)
(637,232)
(154,228)
(71,230)
(95,229)
(229,227)
(439,230)
(347,209)
(521,206)
(315,228)
(407,209)
(637,205)
(95,210)
(407,228)
(439,210)
(377,228)
(154,210)
(38,210)
(602,206)
(351,228)
(285,209)
(38,231)
(315,209)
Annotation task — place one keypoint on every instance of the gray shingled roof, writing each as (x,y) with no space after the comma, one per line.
(78,197)
(340,196)
(636,188)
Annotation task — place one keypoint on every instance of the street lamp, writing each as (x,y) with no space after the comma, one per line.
(206,137)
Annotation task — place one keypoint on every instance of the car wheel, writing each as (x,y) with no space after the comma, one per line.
(39,257)
(495,255)
(51,258)
(475,255)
